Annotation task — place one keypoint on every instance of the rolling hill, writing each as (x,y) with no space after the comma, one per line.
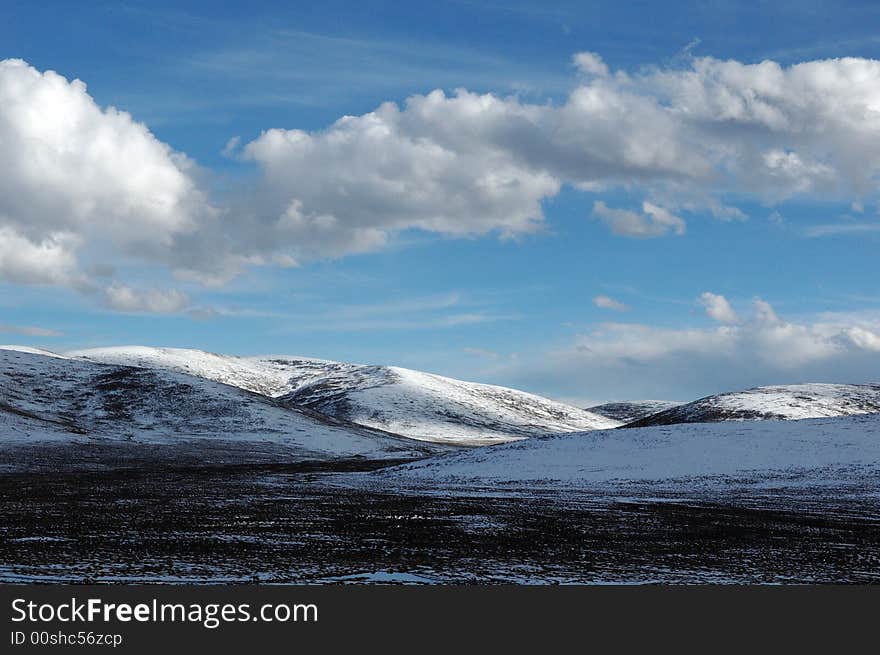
(633,410)
(782,402)
(49,399)
(410,403)
(809,454)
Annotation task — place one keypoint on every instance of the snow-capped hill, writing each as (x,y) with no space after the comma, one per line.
(830,452)
(783,402)
(49,399)
(436,408)
(263,376)
(32,351)
(632,410)
(409,403)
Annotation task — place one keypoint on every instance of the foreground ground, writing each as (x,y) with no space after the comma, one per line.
(163,520)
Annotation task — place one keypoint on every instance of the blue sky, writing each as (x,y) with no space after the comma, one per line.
(561,280)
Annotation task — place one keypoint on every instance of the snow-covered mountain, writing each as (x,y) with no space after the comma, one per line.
(410,403)
(784,402)
(632,410)
(50,399)
(835,452)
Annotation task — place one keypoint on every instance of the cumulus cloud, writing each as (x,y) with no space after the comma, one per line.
(863,338)
(428,166)
(806,128)
(606,302)
(85,184)
(652,221)
(620,360)
(78,178)
(49,260)
(781,345)
(717,308)
(590,63)
(764,313)
(122,298)
(470,164)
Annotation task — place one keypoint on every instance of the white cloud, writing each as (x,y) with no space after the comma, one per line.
(230,150)
(652,221)
(765,338)
(809,128)
(90,185)
(717,308)
(428,166)
(80,180)
(631,360)
(720,211)
(49,260)
(155,301)
(841,229)
(590,63)
(470,164)
(606,302)
(29,330)
(441,311)
(862,338)
(793,175)
(764,313)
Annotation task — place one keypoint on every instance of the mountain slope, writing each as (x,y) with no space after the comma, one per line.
(417,405)
(784,402)
(52,399)
(817,452)
(632,410)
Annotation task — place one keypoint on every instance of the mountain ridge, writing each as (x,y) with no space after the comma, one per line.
(46,399)
(414,404)
(775,402)
(632,410)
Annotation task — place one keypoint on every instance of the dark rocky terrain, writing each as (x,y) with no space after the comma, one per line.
(155,521)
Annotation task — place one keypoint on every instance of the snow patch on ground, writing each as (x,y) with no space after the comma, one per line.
(817,452)
(32,351)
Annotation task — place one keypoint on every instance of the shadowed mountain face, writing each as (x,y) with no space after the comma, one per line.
(626,412)
(410,403)
(50,399)
(783,402)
